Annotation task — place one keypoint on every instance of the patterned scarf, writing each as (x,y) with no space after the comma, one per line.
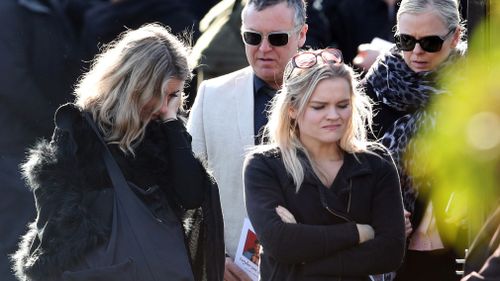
(402,89)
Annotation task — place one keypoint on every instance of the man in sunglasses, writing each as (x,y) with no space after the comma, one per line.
(229,111)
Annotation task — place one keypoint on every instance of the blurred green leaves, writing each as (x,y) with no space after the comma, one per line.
(462,153)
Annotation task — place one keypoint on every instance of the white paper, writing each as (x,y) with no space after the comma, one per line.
(248,253)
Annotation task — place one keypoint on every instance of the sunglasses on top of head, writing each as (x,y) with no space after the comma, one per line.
(431,44)
(276,39)
(308,59)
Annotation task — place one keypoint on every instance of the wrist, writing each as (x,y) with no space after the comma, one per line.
(168,119)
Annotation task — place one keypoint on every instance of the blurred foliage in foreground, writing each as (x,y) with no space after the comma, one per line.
(462,155)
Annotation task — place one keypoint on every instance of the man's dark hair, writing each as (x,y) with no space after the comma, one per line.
(298,5)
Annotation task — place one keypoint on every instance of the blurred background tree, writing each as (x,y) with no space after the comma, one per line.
(462,156)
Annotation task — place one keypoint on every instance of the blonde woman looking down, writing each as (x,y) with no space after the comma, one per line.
(325,203)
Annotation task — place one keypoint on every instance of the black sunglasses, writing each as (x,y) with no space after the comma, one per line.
(429,44)
(277,39)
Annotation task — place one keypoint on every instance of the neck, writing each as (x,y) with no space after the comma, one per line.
(274,85)
(327,152)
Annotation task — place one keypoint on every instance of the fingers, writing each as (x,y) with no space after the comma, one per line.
(173,104)
(233,273)
(365,232)
(406,213)
(408,227)
(367,54)
(285,215)
(228,274)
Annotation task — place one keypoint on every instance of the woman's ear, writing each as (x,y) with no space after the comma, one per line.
(302,36)
(456,37)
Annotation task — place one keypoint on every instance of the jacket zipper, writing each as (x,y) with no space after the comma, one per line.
(337,215)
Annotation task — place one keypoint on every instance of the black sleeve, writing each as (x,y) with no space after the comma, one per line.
(288,243)
(187,173)
(385,252)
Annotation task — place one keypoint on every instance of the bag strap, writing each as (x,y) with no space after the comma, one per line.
(114,171)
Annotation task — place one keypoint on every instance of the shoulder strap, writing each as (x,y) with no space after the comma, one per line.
(114,171)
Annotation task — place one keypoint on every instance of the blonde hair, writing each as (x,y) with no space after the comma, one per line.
(282,131)
(132,70)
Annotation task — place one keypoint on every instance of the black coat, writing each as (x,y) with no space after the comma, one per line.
(74,196)
(39,63)
(323,245)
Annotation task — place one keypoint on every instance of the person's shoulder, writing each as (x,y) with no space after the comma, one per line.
(72,128)
(264,154)
(378,158)
(66,115)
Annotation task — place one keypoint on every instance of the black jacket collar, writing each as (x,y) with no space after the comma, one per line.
(355,164)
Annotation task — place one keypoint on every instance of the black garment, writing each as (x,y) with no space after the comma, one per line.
(105,21)
(483,259)
(74,199)
(318,34)
(354,22)
(262,95)
(39,64)
(437,265)
(323,245)
(201,8)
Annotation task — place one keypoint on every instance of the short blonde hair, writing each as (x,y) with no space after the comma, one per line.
(282,131)
(131,71)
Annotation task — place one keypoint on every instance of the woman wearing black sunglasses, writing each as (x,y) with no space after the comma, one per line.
(403,83)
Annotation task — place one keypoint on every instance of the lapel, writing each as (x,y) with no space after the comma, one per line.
(245,102)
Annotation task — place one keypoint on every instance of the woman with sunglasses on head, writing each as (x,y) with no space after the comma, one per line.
(402,83)
(325,202)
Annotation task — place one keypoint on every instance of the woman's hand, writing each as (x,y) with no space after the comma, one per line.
(366,232)
(173,104)
(233,273)
(408,227)
(285,215)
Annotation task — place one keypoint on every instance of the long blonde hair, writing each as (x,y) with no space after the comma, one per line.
(131,71)
(282,131)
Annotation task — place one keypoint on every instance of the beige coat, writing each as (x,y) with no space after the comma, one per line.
(221,124)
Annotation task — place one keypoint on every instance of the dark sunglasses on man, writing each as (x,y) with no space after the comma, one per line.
(431,44)
(276,39)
